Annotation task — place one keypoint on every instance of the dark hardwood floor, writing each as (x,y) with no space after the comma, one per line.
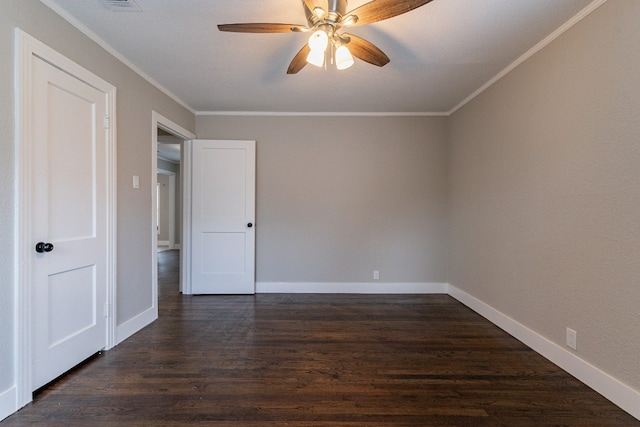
(316,360)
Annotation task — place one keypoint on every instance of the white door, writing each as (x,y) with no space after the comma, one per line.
(68,213)
(222,217)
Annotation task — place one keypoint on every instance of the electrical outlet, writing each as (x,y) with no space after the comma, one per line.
(376,275)
(572,338)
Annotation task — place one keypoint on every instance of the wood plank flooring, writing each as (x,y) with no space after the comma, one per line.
(317,360)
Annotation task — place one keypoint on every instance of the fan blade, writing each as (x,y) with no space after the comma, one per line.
(262,28)
(300,60)
(379,10)
(368,52)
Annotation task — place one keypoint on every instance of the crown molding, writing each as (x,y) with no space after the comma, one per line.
(535,49)
(322,113)
(106,46)
(538,47)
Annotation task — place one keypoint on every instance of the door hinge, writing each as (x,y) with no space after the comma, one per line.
(106,309)
(106,122)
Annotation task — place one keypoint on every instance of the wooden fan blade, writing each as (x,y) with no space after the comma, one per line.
(368,52)
(300,60)
(261,28)
(378,10)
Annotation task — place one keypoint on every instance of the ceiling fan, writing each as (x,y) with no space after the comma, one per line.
(325,19)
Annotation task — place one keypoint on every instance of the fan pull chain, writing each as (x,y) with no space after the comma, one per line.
(333,51)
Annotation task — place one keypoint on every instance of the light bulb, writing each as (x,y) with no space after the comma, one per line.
(344,59)
(319,41)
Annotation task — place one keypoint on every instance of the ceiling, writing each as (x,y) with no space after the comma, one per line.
(168,146)
(441,53)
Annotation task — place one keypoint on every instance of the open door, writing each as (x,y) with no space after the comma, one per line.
(222,217)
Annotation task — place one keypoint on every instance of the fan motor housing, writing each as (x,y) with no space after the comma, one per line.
(335,10)
(339,6)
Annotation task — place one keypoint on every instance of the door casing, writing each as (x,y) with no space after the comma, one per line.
(159,121)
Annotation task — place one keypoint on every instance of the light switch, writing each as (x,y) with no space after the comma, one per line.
(136,181)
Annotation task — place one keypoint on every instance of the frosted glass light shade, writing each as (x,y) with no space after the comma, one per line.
(319,40)
(316,57)
(344,59)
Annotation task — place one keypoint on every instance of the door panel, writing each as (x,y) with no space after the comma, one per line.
(71,179)
(224,172)
(223,206)
(226,253)
(68,209)
(69,317)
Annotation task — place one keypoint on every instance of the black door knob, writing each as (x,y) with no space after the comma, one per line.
(249,225)
(43,247)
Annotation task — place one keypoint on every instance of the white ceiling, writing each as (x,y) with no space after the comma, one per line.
(441,53)
(169,147)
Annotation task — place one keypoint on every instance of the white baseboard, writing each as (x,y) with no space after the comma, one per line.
(176,246)
(135,324)
(350,288)
(8,400)
(613,389)
(163,243)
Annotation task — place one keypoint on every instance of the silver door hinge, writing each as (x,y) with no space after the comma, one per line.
(106,122)
(106,309)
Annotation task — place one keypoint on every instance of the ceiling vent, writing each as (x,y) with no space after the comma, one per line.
(122,5)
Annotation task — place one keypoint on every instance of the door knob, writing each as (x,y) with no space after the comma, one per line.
(249,225)
(43,247)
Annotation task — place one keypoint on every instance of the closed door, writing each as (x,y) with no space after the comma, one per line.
(222,217)
(68,221)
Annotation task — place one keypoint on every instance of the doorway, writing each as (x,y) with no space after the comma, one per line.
(167,155)
(168,202)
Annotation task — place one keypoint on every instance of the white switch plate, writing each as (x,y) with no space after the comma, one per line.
(572,338)
(376,275)
(136,181)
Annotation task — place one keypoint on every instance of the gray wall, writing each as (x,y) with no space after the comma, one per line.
(545,191)
(135,101)
(339,197)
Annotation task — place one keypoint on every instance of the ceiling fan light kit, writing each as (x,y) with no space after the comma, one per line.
(318,43)
(325,18)
(344,59)
(316,57)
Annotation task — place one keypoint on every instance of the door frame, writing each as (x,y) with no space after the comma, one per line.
(159,121)
(172,205)
(27,50)
(186,167)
